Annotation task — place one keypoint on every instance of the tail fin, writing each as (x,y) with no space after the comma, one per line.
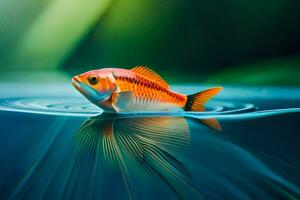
(196,102)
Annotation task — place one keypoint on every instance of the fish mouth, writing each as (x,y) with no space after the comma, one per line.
(76,83)
(87,91)
(84,89)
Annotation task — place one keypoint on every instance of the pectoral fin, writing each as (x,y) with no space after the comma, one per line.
(121,100)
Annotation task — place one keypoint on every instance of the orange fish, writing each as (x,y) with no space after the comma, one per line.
(138,89)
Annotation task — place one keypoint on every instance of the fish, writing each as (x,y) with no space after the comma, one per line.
(138,89)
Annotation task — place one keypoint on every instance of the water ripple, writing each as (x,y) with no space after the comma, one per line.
(79,107)
(72,106)
(66,106)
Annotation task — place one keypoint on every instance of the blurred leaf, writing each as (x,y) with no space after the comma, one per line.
(56,31)
(274,72)
(34,76)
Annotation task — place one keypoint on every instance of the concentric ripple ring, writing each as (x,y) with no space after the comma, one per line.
(75,106)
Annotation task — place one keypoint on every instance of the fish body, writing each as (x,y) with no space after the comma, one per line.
(138,89)
(144,93)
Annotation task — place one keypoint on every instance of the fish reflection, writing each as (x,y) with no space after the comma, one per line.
(139,150)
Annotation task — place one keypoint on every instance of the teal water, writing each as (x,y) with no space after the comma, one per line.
(56,145)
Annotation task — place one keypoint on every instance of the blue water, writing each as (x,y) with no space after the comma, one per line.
(56,145)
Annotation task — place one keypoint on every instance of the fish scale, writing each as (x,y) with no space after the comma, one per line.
(146,93)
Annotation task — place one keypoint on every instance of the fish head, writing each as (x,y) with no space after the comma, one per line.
(97,85)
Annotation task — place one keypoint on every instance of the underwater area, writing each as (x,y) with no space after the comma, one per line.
(57,145)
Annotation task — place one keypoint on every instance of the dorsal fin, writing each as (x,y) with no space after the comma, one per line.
(151,75)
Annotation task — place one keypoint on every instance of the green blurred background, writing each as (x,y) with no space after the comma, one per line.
(249,42)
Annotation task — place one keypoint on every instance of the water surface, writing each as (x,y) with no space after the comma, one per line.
(56,145)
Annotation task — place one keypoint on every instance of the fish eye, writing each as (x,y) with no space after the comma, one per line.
(93,79)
